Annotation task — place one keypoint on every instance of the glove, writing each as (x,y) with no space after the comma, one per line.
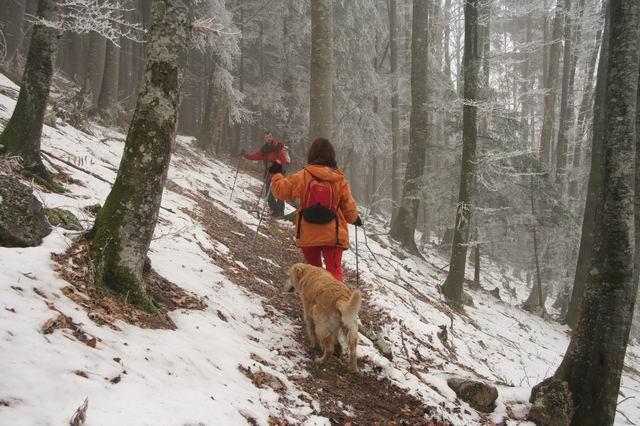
(242,152)
(275,168)
(358,221)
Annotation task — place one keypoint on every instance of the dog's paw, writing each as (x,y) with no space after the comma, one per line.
(319,360)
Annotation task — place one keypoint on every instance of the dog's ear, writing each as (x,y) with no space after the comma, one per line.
(298,270)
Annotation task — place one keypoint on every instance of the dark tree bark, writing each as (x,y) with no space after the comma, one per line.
(404,224)
(23,132)
(585,109)
(396,137)
(125,224)
(12,19)
(94,69)
(207,128)
(566,103)
(447,37)
(322,69)
(452,288)
(535,303)
(109,89)
(593,363)
(476,261)
(594,185)
(546,136)
(526,84)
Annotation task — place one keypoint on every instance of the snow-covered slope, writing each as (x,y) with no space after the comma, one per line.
(197,374)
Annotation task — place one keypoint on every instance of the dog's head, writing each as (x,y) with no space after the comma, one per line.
(293,277)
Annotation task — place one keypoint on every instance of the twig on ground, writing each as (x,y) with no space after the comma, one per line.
(70,164)
(80,416)
(90,173)
(626,418)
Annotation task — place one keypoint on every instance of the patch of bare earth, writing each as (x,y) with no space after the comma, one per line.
(105,307)
(367,398)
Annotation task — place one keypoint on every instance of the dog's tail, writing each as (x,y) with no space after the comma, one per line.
(349,308)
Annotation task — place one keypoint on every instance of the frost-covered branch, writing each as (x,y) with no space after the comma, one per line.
(105,17)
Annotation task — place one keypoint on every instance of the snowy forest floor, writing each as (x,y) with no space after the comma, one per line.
(238,353)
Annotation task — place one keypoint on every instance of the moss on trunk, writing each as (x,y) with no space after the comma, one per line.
(23,132)
(125,224)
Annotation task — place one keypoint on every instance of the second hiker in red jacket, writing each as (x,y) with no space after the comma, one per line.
(271,151)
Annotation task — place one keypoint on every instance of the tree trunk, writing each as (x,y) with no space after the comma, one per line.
(526,84)
(12,20)
(593,363)
(125,224)
(546,136)
(396,138)
(404,224)
(23,133)
(476,261)
(594,186)
(321,84)
(109,89)
(535,303)
(447,37)
(95,66)
(207,128)
(452,287)
(566,104)
(585,109)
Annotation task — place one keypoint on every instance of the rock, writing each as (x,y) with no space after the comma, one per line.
(467,299)
(22,218)
(480,396)
(495,293)
(63,219)
(551,403)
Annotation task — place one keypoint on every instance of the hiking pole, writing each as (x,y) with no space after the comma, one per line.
(264,181)
(357,265)
(255,236)
(235,178)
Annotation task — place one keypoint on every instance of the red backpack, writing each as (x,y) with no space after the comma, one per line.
(318,206)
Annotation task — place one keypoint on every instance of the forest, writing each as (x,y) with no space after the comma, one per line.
(492,148)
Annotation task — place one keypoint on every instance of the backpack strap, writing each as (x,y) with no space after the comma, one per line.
(299,227)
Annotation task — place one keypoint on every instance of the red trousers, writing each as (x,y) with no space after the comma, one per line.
(332,258)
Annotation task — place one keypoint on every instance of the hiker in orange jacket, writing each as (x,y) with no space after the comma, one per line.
(271,151)
(326,206)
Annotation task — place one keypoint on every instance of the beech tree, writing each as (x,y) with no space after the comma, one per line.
(322,69)
(124,225)
(593,363)
(594,185)
(404,224)
(453,285)
(23,132)
(546,135)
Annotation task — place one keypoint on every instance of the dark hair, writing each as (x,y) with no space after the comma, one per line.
(267,132)
(322,153)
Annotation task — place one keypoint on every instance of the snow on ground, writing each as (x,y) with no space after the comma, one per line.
(191,375)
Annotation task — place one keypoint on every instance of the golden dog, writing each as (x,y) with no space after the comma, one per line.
(330,309)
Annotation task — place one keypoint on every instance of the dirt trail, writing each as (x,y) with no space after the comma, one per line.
(369,399)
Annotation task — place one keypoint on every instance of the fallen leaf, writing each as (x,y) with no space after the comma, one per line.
(92,342)
(81,374)
(115,380)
